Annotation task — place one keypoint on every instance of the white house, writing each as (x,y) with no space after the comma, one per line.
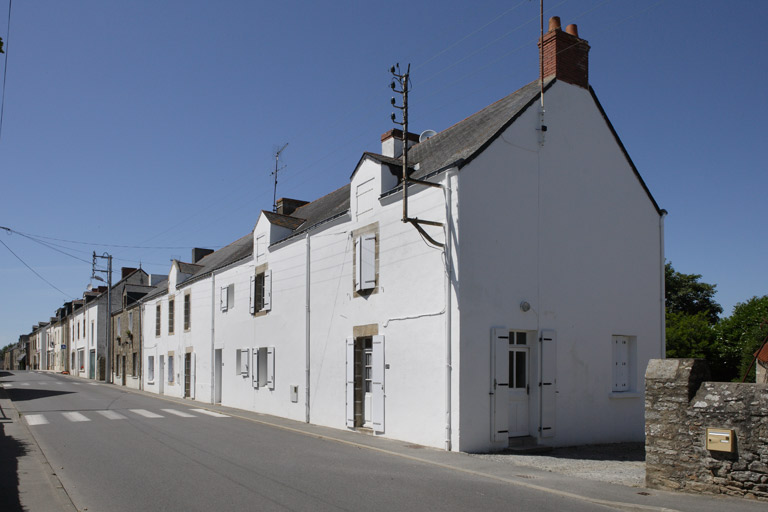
(522,298)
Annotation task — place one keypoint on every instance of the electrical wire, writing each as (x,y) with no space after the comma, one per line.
(5,69)
(35,272)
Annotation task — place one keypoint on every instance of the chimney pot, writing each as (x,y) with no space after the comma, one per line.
(565,55)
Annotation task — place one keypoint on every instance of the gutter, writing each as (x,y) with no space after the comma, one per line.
(307,336)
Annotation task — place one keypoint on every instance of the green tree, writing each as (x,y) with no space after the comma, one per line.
(689,335)
(686,294)
(739,336)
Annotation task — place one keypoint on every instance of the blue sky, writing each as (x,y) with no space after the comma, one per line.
(153,125)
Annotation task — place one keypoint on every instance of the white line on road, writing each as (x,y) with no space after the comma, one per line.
(6,386)
(36,419)
(112,415)
(93,383)
(145,413)
(25,383)
(75,416)
(178,413)
(210,413)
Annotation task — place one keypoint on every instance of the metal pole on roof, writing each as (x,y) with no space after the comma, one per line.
(277,158)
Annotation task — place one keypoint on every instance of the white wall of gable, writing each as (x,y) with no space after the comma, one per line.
(568,228)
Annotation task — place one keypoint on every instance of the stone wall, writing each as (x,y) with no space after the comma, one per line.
(679,407)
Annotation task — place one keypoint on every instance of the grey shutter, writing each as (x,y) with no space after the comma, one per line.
(350,409)
(377,384)
(271,367)
(267,290)
(499,384)
(252,303)
(255,368)
(548,383)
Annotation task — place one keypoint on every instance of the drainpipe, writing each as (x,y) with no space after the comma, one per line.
(213,338)
(140,359)
(447,251)
(307,333)
(662,261)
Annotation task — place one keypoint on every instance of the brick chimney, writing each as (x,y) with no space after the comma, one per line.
(392,142)
(566,56)
(287,206)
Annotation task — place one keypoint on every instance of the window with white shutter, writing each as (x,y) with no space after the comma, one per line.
(623,363)
(224,299)
(261,292)
(365,260)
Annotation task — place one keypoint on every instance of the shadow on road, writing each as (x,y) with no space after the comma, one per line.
(20,395)
(617,452)
(5,374)
(10,452)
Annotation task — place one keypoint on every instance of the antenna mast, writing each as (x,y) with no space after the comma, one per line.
(277,159)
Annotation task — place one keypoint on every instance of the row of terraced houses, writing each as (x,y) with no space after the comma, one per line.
(513,291)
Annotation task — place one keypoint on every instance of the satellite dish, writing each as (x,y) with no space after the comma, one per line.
(426,134)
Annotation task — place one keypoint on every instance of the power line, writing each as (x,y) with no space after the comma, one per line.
(101,245)
(5,69)
(35,272)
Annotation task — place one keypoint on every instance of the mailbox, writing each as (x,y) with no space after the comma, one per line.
(720,439)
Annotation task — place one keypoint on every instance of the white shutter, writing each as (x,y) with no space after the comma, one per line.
(224,304)
(377,384)
(620,363)
(500,384)
(255,368)
(192,375)
(271,367)
(358,263)
(548,383)
(267,290)
(252,304)
(367,262)
(351,382)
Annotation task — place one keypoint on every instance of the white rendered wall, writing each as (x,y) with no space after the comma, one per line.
(568,228)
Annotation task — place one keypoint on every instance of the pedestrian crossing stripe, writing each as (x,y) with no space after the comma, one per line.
(79,417)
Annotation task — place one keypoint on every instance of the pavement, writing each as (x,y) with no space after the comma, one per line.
(27,481)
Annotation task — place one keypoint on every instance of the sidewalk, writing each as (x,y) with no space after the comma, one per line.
(40,490)
(27,481)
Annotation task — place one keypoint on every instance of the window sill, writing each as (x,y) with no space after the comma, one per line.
(625,394)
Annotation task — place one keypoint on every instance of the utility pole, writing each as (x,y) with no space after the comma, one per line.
(277,158)
(108,257)
(403,80)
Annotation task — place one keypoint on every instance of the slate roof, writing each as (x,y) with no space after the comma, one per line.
(285,221)
(188,268)
(466,138)
(327,207)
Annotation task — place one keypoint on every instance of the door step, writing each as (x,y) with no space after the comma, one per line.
(526,445)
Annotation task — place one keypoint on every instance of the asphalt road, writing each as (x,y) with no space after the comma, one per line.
(115,450)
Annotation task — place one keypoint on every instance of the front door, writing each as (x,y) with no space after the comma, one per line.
(123,369)
(518,361)
(217,364)
(161,375)
(187,374)
(365,383)
(92,365)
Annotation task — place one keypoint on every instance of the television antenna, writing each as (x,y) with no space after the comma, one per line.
(277,169)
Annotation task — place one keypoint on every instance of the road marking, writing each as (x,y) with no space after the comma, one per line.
(75,383)
(36,419)
(25,383)
(179,413)
(112,415)
(210,413)
(93,383)
(6,386)
(145,413)
(75,416)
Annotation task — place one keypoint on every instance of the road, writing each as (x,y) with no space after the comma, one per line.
(116,450)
